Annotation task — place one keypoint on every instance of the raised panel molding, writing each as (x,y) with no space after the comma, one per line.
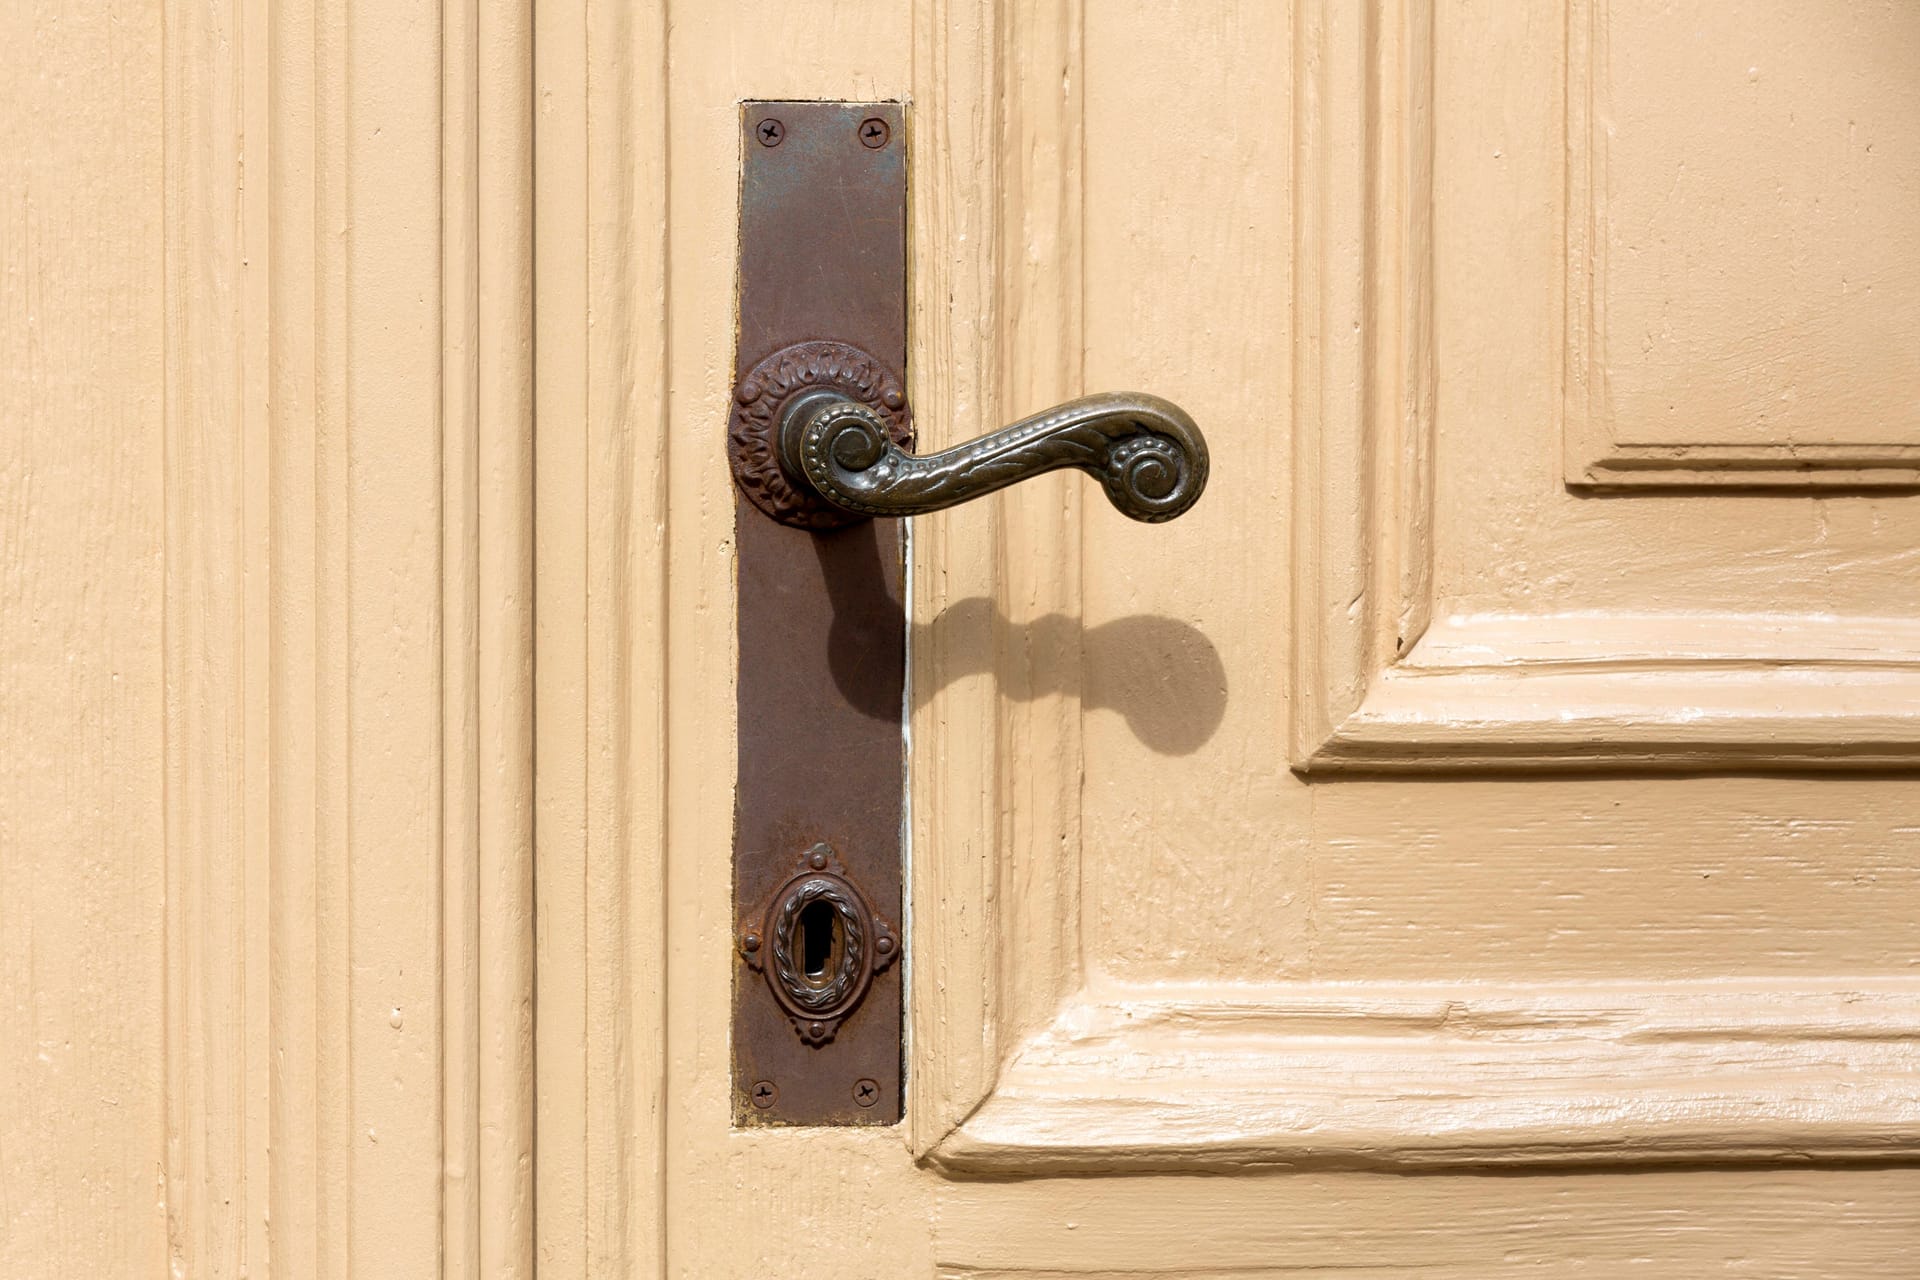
(1378,1076)
(348,568)
(1382,684)
(1024,1066)
(1851,426)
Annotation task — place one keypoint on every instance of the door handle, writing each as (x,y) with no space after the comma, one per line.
(821,437)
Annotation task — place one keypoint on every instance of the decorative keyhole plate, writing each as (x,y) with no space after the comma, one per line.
(773,943)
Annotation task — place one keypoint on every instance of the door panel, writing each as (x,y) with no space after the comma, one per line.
(1741,194)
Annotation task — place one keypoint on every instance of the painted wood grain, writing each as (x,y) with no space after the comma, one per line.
(83,679)
(1741,289)
(1784,1223)
(603,614)
(394,330)
(273,371)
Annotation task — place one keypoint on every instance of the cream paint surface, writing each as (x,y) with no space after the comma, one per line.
(1759,287)
(1196,839)
(266,869)
(1508,536)
(291,1005)
(82,1101)
(1205,857)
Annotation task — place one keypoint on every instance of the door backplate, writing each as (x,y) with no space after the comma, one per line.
(817,1006)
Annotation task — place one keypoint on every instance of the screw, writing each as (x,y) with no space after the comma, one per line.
(765,1095)
(866,1092)
(818,858)
(771,131)
(750,942)
(874,133)
(883,944)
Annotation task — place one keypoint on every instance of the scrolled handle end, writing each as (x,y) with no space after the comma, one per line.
(1159,472)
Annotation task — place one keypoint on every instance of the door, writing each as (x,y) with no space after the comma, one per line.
(1479,838)
(1505,767)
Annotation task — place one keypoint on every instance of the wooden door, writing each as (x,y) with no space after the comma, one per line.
(1506,769)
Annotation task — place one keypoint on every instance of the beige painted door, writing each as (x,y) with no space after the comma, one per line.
(1507,765)
(1506,769)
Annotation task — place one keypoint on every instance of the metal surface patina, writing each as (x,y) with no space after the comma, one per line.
(818,994)
(762,401)
(822,642)
(1145,451)
(821,437)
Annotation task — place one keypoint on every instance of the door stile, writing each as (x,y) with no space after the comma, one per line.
(604,954)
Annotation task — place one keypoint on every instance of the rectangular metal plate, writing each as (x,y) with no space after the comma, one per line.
(822,641)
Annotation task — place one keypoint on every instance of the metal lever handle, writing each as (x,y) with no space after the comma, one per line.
(1146,451)
(820,437)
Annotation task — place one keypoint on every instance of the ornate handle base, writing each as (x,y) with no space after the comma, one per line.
(820,438)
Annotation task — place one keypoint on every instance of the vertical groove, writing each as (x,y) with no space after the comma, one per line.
(212,721)
(461,535)
(331,1033)
(657,462)
(560,607)
(503,587)
(294,653)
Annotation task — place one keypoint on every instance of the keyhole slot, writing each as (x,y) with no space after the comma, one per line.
(820,942)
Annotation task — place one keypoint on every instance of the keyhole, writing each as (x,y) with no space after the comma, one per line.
(819,927)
